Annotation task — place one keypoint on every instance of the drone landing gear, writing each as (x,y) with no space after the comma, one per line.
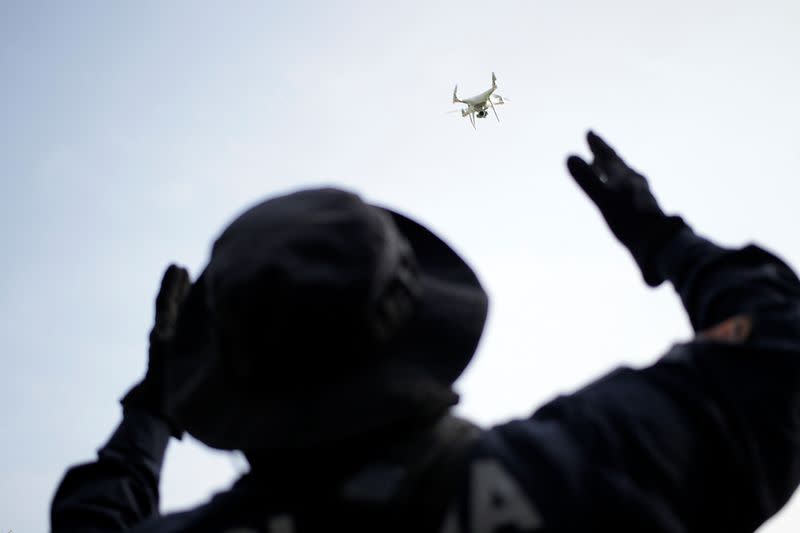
(493,109)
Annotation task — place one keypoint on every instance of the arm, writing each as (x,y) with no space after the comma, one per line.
(717,422)
(120,489)
(707,438)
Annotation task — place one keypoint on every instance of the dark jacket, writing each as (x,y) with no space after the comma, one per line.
(706,439)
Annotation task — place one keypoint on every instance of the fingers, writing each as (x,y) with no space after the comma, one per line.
(586,178)
(174,287)
(608,166)
(599,147)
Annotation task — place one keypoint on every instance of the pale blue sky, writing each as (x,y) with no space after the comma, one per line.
(130,132)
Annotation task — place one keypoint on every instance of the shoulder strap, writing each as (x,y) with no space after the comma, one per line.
(437,483)
(412,484)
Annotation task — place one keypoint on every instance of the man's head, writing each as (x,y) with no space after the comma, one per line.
(320,317)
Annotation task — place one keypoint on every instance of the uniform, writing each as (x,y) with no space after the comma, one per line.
(705,439)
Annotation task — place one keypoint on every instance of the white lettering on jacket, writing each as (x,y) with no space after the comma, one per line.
(495,501)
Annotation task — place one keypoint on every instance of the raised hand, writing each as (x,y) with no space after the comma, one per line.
(626,203)
(150,393)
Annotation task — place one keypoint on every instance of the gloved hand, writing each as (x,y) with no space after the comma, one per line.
(150,393)
(629,208)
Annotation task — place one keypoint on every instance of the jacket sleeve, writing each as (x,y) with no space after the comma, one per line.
(706,439)
(120,489)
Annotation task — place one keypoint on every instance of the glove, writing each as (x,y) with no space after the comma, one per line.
(150,394)
(626,203)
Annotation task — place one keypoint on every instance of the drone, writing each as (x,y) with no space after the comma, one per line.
(478,105)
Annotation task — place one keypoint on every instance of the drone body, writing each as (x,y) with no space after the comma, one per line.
(478,106)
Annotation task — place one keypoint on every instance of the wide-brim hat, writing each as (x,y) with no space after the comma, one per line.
(318,318)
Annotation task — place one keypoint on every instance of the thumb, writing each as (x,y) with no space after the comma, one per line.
(586,178)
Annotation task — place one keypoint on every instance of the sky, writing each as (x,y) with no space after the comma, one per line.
(132,132)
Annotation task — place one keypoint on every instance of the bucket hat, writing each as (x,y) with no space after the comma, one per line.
(320,317)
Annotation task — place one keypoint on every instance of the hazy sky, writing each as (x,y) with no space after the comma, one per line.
(131,132)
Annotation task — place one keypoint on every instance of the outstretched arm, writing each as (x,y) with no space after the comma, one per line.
(706,439)
(718,423)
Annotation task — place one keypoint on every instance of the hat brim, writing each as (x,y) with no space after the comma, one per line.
(411,377)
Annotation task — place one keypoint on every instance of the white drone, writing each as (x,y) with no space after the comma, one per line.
(477,105)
